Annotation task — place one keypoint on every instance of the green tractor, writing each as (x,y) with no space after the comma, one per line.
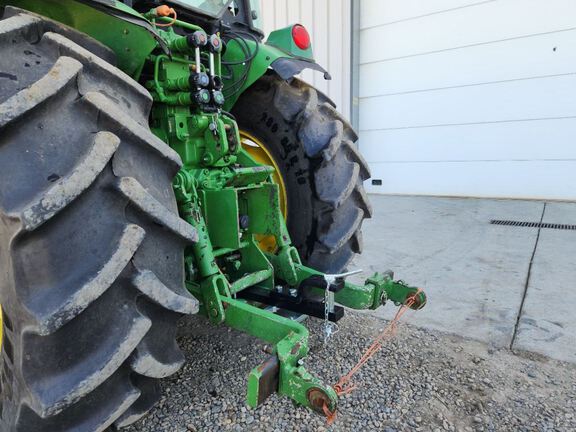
(159,160)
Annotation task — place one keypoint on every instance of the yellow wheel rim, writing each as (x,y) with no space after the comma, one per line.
(256,148)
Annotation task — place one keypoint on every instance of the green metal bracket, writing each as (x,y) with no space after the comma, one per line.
(396,291)
(282,39)
(283,372)
(376,291)
(212,288)
(286,262)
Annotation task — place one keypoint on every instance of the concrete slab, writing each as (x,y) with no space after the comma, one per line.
(548,321)
(474,273)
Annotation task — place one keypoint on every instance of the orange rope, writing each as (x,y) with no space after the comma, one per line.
(344,385)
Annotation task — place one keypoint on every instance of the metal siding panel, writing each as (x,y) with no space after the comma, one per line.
(294,14)
(550,54)
(501,179)
(384,12)
(346,58)
(280,14)
(482,142)
(482,24)
(328,22)
(475,100)
(268,15)
(502,102)
(321,41)
(334,65)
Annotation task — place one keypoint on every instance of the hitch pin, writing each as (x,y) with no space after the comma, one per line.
(330,279)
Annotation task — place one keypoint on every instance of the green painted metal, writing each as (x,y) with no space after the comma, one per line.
(283,40)
(280,44)
(377,291)
(290,345)
(221,191)
(166,20)
(264,56)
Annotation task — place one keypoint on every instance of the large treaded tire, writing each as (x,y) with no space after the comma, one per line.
(323,171)
(91,244)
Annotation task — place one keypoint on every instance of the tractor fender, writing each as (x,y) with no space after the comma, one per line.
(289,67)
(278,53)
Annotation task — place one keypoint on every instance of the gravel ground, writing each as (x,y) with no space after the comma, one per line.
(420,381)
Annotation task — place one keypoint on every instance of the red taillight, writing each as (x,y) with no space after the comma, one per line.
(301,37)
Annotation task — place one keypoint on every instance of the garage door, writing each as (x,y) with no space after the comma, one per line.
(469,98)
(329,25)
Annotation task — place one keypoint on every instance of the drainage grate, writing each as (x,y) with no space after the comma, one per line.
(534,225)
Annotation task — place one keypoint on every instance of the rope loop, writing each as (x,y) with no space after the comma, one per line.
(345,385)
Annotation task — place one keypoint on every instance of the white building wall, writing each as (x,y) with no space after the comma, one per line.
(469,97)
(329,24)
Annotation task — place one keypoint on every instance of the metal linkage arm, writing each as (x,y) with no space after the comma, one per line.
(283,371)
(377,291)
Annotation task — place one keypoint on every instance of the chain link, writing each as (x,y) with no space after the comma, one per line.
(331,328)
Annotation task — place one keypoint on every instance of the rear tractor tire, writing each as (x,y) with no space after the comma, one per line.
(91,244)
(321,170)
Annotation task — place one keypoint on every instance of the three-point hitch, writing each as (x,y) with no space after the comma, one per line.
(229,198)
